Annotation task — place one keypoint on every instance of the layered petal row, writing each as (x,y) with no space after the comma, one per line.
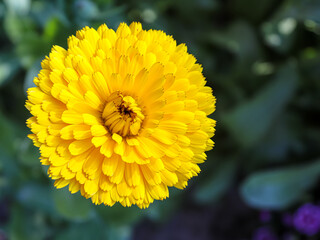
(121,116)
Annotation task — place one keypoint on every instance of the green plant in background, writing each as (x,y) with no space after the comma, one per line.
(262,60)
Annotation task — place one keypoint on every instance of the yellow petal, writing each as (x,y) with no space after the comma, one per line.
(91,187)
(117,176)
(117,138)
(174,127)
(91,119)
(107,148)
(93,100)
(71,117)
(98,130)
(169,178)
(101,85)
(120,148)
(93,162)
(60,183)
(164,136)
(80,146)
(132,174)
(105,184)
(74,186)
(99,141)
(109,165)
(77,162)
(123,189)
(151,177)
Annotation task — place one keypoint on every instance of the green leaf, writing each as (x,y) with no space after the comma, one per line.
(278,143)
(19,226)
(120,232)
(52,28)
(31,74)
(221,179)
(27,153)
(20,7)
(279,189)
(8,135)
(251,120)
(119,215)
(261,8)
(37,196)
(9,171)
(31,49)
(2,10)
(85,9)
(301,10)
(310,62)
(83,231)
(72,206)
(161,211)
(9,166)
(30,46)
(280,34)
(44,11)
(17,27)
(241,40)
(26,225)
(9,66)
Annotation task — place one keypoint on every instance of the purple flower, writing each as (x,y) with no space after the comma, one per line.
(264,233)
(307,219)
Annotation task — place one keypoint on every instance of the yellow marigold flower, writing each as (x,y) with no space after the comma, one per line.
(121,116)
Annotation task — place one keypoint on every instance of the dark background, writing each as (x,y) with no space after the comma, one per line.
(262,59)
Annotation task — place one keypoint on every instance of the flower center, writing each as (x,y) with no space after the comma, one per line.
(122,115)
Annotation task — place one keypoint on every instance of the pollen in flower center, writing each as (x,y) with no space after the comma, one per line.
(122,115)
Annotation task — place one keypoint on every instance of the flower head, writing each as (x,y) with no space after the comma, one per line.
(121,116)
(307,219)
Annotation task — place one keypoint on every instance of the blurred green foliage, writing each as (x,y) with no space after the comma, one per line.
(262,59)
